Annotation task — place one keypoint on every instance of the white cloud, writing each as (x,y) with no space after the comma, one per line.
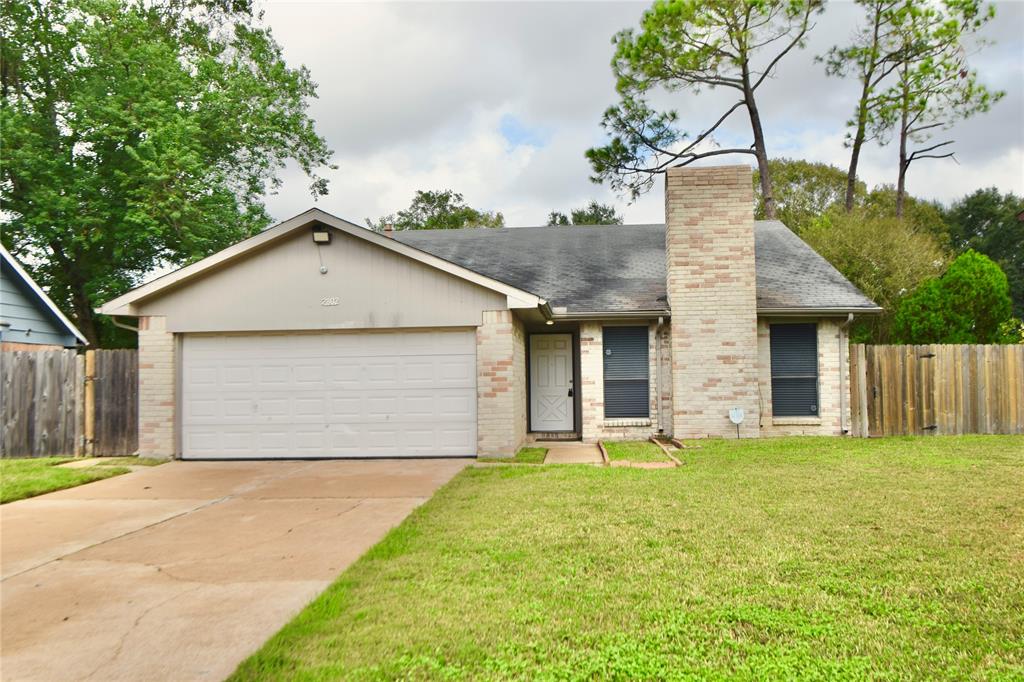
(412,96)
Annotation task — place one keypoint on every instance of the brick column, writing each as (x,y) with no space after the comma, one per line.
(501,384)
(157,383)
(709,249)
(592,380)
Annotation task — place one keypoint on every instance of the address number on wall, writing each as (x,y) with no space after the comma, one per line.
(330,300)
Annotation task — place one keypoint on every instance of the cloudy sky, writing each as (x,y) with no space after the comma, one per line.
(499,101)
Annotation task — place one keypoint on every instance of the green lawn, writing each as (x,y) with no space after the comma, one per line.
(21,478)
(634,451)
(776,559)
(524,456)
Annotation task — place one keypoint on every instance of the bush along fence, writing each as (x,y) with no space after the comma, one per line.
(936,389)
(63,403)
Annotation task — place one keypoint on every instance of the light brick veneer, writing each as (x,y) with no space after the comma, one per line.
(501,384)
(830,386)
(157,381)
(709,250)
(595,427)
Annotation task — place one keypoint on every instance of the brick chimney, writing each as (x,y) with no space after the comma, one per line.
(389,230)
(709,251)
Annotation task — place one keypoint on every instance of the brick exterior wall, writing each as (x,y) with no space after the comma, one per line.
(831,384)
(157,382)
(519,381)
(501,384)
(709,250)
(665,381)
(594,426)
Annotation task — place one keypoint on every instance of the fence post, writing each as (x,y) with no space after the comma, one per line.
(859,384)
(90,401)
(79,405)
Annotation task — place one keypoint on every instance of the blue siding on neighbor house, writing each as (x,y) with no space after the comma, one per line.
(31,321)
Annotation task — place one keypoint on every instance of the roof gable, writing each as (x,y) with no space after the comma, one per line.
(127,303)
(60,332)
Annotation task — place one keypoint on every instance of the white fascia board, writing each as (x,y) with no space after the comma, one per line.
(816,312)
(126,304)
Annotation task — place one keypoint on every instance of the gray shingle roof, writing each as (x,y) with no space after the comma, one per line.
(621,268)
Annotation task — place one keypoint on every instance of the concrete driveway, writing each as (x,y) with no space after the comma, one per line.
(181,571)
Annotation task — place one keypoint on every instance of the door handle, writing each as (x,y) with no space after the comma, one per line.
(570,392)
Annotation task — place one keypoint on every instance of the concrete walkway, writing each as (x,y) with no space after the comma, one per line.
(571,452)
(179,572)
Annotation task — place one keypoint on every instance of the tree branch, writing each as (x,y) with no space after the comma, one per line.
(915,157)
(720,121)
(793,43)
(715,152)
(920,153)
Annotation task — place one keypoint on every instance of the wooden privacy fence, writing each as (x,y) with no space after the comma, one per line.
(62,403)
(936,389)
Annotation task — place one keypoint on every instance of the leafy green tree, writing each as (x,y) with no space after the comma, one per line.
(934,86)
(688,45)
(969,303)
(993,224)
(871,57)
(139,133)
(440,210)
(920,215)
(591,214)
(803,191)
(884,257)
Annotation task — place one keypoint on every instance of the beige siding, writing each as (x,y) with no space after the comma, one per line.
(833,383)
(281,288)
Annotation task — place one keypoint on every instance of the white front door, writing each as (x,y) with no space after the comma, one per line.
(551,382)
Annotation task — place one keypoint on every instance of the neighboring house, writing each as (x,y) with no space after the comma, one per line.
(29,320)
(320,338)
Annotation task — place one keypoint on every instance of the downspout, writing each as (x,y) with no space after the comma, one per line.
(122,325)
(843,397)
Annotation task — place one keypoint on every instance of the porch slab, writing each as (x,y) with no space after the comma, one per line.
(572,453)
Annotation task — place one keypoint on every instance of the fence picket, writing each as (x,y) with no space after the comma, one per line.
(42,404)
(945,389)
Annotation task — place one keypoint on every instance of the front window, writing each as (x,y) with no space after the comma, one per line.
(626,373)
(794,370)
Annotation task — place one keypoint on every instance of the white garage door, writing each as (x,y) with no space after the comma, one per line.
(394,394)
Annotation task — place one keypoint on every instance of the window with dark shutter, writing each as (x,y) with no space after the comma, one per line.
(626,372)
(794,370)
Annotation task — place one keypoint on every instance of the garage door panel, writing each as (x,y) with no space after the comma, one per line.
(329,395)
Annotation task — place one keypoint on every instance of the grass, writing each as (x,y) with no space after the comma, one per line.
(21,478)
(524,456)
(776,559)
(634,451)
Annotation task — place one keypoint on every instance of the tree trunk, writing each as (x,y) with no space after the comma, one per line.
(85,318)
(764,173)
(73,280)
(901,182)
(862,110)
(858,142)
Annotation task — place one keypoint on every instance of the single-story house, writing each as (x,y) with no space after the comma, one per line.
(29,320)
(321,338)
